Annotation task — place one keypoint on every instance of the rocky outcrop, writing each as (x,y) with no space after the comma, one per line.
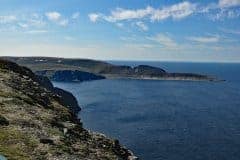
(3,121)
(148,70)
(45,82)
(35,124)
(65,98)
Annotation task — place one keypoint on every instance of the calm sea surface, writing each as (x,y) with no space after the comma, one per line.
(167,120)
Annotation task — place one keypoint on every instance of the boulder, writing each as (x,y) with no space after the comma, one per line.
(46,140)
(3,121)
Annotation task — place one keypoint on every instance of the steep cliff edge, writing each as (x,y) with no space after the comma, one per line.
(65,98)
(36,124)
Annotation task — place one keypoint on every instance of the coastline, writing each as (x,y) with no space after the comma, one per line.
(130,154)
(165,78)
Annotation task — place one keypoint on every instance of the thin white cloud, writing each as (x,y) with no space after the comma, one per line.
(9,29)
(130,38)
(125,14)
(231,31)
(35,20)
(139,46)
(57,18)
(53,16)
(7,19)
(164,40)
(229,3)
(216,11)
(63,22)
(23,25)
(142,26)
(69,38)
(207,39)
(94,17)
(120,25)
(75,15)
(224,9)
(176,11)
(222,14)
(36,31)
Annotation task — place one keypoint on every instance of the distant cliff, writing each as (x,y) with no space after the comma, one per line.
(36,123)
(69,75)
(61,69)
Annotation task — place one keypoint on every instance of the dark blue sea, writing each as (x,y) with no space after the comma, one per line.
(167,120)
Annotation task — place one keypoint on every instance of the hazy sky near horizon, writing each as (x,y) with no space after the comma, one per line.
(161,30)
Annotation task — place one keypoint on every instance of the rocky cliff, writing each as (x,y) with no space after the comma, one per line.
(65,98)
(69,75)
(36,123)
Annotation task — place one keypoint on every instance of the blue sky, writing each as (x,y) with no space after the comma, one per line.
(170,30)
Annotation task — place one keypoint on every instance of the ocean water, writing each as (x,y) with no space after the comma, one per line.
(167,120)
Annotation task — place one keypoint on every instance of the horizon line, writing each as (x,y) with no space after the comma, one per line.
(126,60)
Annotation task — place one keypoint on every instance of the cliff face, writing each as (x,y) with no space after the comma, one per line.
(69,75)
(36,124)
(64,97)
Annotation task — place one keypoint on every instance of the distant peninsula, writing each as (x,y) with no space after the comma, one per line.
(78,70)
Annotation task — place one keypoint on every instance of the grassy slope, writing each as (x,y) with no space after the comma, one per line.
(48,63)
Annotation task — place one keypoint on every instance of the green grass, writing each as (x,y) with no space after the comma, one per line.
(16,146)
(17,98)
